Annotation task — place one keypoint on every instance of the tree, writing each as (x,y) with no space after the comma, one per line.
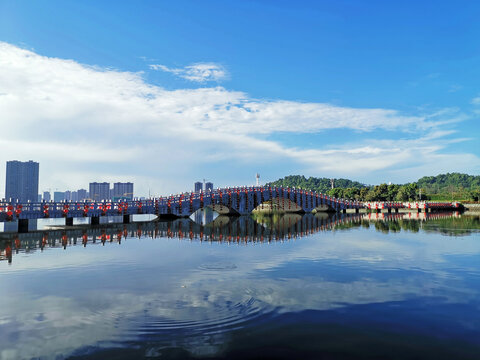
(337,193)
(412,189)
(363,193)
(370,196)
(402,194)
(381,192)
(351,193)
(475,195)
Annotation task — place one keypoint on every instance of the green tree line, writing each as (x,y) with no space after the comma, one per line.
(454,186)
(321,185)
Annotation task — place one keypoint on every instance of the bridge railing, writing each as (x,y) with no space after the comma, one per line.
(379,205)
(14,209)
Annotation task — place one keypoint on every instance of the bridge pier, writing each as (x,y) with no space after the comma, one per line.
(69,221)
(94,220)
(22,225)
(126,219)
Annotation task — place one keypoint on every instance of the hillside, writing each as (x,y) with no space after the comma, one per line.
(449,182)
(321,185)
(448,186)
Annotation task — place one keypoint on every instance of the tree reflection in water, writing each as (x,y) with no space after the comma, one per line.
(242,229)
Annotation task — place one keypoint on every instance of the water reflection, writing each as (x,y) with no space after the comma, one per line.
(349,287)
(243,229)
(204,216)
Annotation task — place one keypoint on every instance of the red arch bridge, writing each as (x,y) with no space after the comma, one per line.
(226,201)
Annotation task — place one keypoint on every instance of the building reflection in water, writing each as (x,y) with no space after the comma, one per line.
(12,226)
(240,230)
(204,216)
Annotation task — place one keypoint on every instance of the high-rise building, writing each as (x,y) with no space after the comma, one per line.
(99,191)
(208,186)
(198,186)
(22,181)
(39,198)
(58,196)
(82,194)
(47,196)
(68,195)
(122,191)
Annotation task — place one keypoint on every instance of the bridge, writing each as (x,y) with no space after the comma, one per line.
(226,201)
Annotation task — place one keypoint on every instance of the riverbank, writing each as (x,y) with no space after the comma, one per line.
(472,209)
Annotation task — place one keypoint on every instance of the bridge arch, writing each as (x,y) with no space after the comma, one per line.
(278,205)
(323,209)
(222,209)
(210,214)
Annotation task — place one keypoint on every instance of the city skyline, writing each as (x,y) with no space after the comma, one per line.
(22,179)
(151,106)
(97,191)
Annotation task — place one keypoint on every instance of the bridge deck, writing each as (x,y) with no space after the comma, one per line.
(228,201)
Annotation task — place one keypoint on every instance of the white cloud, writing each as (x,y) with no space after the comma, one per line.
(101,124)
(455,88)
(200,72)
(476,100)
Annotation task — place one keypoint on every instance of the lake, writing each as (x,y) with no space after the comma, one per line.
(367,286)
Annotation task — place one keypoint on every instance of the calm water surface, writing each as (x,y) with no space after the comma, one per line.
(314,287)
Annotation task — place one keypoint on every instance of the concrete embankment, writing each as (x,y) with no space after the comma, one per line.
(277,206)
(473,209)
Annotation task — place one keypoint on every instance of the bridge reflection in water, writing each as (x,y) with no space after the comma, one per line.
(234,230)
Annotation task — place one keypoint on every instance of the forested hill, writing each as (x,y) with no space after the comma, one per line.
(431,184)
(441,187)
(449,182)
(321,185)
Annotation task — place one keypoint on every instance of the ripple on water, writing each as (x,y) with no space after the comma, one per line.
(211,319)
(218,266)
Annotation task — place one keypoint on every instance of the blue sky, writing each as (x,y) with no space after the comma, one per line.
(165,93)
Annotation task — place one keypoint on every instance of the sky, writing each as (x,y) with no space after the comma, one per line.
(166,93)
